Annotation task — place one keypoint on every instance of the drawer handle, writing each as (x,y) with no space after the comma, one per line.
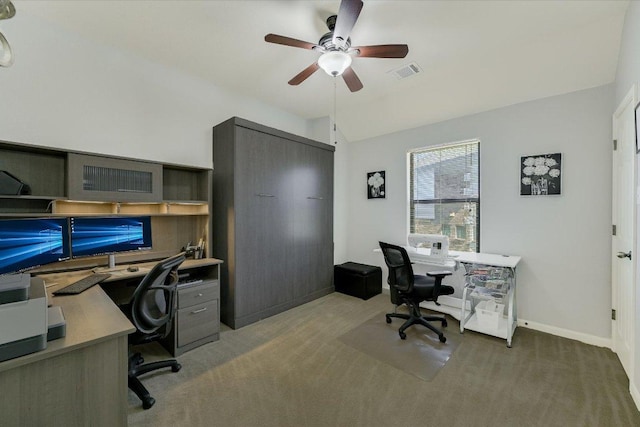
(199,311)
(198,296)
(315,198)
(265,195)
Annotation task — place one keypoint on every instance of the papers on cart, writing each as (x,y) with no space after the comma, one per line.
(423,256)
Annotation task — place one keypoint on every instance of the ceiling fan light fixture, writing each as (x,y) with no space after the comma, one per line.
(7,10)
(335,62)
(6,56)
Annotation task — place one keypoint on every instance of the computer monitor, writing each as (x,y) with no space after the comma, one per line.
(29,243)
(91,236)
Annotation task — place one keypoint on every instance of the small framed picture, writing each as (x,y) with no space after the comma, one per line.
(375,185)
(541,174)
(637,114)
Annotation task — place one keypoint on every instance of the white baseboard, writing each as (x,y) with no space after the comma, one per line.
(635,394)
(566,333)
(452,305)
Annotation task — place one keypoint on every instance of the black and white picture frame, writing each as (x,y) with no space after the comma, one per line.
(375,185)
(541,175)
(637,115)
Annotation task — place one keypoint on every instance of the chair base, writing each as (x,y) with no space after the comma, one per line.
(136,368)
(415,317)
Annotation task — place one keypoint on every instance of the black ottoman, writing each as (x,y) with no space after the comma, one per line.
(358,280)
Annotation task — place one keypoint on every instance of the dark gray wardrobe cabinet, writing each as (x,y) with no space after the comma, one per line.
(272,220)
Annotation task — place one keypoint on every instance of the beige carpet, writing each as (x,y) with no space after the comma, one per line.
(420,354)
(293,370)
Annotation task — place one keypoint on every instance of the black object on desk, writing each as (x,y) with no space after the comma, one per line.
(83,284)
(358,280)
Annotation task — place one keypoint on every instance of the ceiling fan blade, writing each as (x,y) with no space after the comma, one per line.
(351,79)
(383,51)
(347,17)
(304,74)
(288,41)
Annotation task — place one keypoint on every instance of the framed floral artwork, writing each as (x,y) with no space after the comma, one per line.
(638,128)
(541,175)
(375,185)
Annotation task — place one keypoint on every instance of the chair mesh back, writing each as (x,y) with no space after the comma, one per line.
(400,270)
(154,299)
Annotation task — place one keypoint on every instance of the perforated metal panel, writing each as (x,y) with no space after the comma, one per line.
(112,179)
(97,178)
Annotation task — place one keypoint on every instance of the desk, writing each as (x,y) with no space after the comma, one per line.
(81,379)
(461,308)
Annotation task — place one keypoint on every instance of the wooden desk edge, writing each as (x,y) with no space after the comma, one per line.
(115,322)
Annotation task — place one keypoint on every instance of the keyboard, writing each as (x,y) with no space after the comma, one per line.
(82,284)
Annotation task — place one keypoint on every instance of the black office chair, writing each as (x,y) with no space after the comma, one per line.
(407,288)
(151,310)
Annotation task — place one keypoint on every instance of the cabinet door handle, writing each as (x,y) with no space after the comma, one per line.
(198,296)
(199,311)
(265,195)
(315,198)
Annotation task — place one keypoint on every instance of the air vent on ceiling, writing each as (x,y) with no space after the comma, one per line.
(406,71)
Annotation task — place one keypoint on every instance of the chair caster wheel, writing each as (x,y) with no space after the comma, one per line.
(403,336)
(443,339)
(176,367)
(388,319)
(148,402)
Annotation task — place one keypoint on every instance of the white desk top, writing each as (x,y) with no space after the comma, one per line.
(422,256)
(509,261)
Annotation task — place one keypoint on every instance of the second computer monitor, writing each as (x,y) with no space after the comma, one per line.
(92,236)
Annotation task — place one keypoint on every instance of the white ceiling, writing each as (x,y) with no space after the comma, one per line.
(475,55)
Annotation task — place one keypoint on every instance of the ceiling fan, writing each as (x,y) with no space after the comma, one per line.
(336,48)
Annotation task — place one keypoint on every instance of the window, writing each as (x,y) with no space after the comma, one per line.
(444,193)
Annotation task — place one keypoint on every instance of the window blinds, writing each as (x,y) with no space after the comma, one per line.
(445,193)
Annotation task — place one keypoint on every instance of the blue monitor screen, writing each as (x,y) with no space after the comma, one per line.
(28,243)
(107,235)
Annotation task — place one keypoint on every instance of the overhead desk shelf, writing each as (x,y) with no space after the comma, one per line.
(25,205)
(73,207)
(65,183)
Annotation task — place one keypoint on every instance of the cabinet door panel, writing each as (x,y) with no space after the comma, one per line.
(313,229)
(263,225)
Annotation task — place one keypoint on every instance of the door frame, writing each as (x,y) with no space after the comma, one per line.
(629,99)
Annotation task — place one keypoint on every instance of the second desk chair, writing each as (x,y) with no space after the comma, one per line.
(407,288)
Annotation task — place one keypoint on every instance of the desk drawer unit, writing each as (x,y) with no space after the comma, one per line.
(197,320)
(192,295)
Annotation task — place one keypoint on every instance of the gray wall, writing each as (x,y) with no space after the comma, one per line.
(555,235)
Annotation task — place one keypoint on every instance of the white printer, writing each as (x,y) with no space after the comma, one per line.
(26,321)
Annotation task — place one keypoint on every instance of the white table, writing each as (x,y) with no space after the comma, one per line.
(463,309)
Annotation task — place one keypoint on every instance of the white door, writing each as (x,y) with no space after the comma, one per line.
(623,258)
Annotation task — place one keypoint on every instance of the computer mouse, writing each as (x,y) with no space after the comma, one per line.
(132,269)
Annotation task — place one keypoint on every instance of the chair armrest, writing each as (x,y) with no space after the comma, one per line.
(441,273)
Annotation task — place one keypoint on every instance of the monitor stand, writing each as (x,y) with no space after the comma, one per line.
(111,268)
